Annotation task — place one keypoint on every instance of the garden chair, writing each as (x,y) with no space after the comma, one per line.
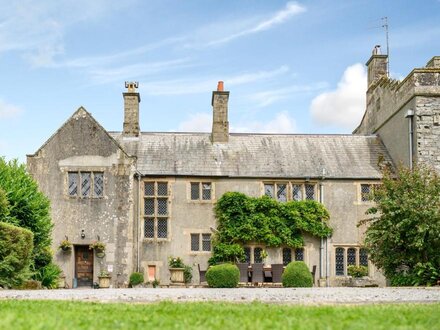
(244,272)
(202,274)
(257,273)
(313,272)
(277,271)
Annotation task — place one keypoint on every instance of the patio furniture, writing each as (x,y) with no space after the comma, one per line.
(257,273)
(244,272)
(277,271)
(313,272)
(202,274)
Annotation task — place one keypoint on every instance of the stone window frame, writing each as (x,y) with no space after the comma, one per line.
(360,195)
(200,235)
(91,170)
(290,184)
(346,247)
(156,216)
(293,254)
(252,248)
(200,200)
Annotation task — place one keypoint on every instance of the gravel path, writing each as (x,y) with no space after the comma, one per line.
(309,296)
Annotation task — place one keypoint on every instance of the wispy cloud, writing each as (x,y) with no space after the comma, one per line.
(193,86)
(8,110)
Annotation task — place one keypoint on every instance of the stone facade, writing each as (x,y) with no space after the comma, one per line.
(159,189)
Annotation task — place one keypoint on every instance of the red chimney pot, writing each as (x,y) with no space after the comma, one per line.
(220,86)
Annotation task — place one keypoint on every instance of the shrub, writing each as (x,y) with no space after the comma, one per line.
(48,275)
(31,285)
(223,276)
(187,274)
(136,278)
(16,245)
(297,275)
(357,271)
(175,262)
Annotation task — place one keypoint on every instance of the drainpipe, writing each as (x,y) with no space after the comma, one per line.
(137,220)
(322,251)
(410,116)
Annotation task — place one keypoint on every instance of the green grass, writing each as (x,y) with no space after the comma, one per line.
(46,315)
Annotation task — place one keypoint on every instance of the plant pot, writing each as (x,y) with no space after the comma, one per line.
(104,282)
(100,253)
(177,275)
(66,249)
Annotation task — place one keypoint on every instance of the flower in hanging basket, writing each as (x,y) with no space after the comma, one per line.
(65,245)
(97,245)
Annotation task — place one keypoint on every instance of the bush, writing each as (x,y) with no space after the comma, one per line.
(48,275)
(187,274)
(31,285)
(357,271)
(297,275)
(223,276)
(16,245)
(136,279)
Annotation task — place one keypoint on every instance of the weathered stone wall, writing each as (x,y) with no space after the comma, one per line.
(220,124)
(82,145)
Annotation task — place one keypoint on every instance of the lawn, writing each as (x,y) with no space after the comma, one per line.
(15,314)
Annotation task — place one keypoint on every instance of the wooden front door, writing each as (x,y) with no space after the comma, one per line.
(83,265)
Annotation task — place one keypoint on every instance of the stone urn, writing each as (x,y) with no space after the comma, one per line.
(104,281)
(177,275)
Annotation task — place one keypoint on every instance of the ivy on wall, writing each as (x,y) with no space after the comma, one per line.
(242,219)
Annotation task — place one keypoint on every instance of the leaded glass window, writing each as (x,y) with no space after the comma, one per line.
(365,192)
(339,261)
(297,192)
(299,254)
(287,256)
(73,183)
(149,228)
(201,191)
(206,242)
(310,191)
(195,191)
(162,206)
(162,228)
(282,192)
(86,182)
(257,255)
(149,206)
(98,184)
(162,189)
(195,242)
(351,256)
(149,188)
(206,191)
(269,190)
(247,254)
(156,209)
(363,257)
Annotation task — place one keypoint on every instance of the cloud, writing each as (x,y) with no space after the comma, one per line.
(194,86)
(199,122)
(8,111)
(344,106)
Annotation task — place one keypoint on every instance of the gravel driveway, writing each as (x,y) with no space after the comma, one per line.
(306,296)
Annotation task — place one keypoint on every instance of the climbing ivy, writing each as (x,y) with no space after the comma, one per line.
(242,219)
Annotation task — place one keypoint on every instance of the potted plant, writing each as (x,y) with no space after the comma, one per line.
(65,245)
(177,269)
(98,246)
(104,279)
(359,277)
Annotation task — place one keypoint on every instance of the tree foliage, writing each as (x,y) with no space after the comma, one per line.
(404,235)
(242,219)
(26,207)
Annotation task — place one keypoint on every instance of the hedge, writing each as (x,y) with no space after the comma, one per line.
(16,245)
(297,275)
(136,279)
(223,276)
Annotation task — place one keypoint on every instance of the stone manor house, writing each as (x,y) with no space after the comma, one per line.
(149,195)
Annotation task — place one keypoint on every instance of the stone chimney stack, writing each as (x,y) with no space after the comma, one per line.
(377,66)
(131,110)
(220,124)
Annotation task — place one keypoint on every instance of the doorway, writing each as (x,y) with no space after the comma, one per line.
(83,265)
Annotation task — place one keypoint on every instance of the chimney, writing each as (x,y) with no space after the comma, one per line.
(131,110)
(220,124)
(377,66)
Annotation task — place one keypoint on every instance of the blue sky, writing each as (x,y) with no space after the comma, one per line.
(290,67)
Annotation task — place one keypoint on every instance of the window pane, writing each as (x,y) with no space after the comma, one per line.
(247,254)
(310,191)
(162,206)
(363,257)
(299,254)
(149,206)
(85,184)
(351,256)
(149,189)
(339,261)
(365,192)
(149,228)
(206,191)
(287,256)
(162,189)
(268,190)
(162,228)
(73,183)
(98,184)
(195,190)
(206,242)
(257,255)
(297,192)
(195,242)
(282,192)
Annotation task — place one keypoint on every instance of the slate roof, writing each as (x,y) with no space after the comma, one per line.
(257,155)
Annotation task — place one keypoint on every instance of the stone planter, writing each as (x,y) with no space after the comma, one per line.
(177,275)
(361,282)
(61,282)
(104,282)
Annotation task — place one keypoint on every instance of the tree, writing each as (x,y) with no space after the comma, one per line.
(27,207)
(403,236)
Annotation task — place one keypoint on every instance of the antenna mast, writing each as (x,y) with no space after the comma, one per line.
(385,25)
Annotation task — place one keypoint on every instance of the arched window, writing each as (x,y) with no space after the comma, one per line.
(287,256)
